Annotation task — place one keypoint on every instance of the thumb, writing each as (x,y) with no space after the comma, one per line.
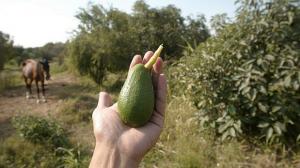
(104,100)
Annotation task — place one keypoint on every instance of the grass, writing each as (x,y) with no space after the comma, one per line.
(184,144)
(10,77)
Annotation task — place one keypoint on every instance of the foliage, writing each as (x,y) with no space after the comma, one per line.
(74,158)
(9,77)
(107,39)
(78,109)
(49,51)
(17,153)
(41,131)
(6,46)
(219,21)
(245,80)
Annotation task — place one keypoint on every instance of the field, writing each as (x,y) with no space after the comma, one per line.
(70,102)
(233,92)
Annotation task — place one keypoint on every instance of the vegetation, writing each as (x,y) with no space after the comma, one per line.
(107,39)
(44,144)
(49,51)
(245,80)
(233,97)
(41,131)
(6,45)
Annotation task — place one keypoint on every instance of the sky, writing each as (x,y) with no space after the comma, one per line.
(33,23)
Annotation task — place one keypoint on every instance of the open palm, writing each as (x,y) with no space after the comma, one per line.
(132,142)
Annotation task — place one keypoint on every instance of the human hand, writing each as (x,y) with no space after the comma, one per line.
(118,145)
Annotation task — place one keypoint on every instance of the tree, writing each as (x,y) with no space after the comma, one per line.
(106,39)
(246,79)
(219,21)
(5,49)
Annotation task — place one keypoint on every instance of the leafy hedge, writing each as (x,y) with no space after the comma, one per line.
(43,143)
(245,80)
(41,131)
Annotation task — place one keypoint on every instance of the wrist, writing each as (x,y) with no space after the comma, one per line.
(107,155)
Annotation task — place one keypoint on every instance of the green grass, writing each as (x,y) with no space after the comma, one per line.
(56,68)
(184,144)
(77,109)
(10,77)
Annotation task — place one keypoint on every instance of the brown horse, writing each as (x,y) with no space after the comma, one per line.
(35,71)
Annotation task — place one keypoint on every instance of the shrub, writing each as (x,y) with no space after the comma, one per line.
(245,80)
(15,152)
(41,131)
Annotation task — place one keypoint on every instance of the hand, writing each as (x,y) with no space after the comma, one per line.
(118,145)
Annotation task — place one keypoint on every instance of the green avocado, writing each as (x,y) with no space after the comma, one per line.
(136,99)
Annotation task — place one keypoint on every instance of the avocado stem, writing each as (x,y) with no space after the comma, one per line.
(153,59)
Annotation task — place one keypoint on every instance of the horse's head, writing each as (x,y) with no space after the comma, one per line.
(46,68)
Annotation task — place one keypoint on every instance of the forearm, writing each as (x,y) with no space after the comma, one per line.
(106,156)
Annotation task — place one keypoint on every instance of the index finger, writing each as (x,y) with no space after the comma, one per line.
(137,59)
(161,94)
(156,71)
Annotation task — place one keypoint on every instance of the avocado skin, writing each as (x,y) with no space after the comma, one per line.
(136,99)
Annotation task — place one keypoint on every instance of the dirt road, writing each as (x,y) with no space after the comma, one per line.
(13,101)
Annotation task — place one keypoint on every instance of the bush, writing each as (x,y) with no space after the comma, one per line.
(41,131)
(245,80)
(6,48)
(15,152)
(44,145)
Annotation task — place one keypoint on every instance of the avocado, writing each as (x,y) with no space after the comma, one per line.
(136,99)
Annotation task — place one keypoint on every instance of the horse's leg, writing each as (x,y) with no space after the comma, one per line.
(43,91)
(37,91)
(27,88)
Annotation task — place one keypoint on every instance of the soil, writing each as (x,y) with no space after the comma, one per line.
(13,101)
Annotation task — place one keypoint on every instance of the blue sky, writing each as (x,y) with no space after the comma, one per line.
(33,23)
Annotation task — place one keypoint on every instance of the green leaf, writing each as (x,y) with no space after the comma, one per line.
(244,84)
(277,129)
(270,57)
(275,109)
(281,125)
(243,42)
(225,135)
(262,107)
(259,61)
(298,138)
(246,90)
(231,109)
(238,128)
(263,124)
(291,17)
(263,90)
(295,85)
(287,81)
(222,128)
(269,133)
(232,132)
(254,94)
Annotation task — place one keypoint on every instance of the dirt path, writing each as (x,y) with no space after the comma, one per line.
(13,101)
